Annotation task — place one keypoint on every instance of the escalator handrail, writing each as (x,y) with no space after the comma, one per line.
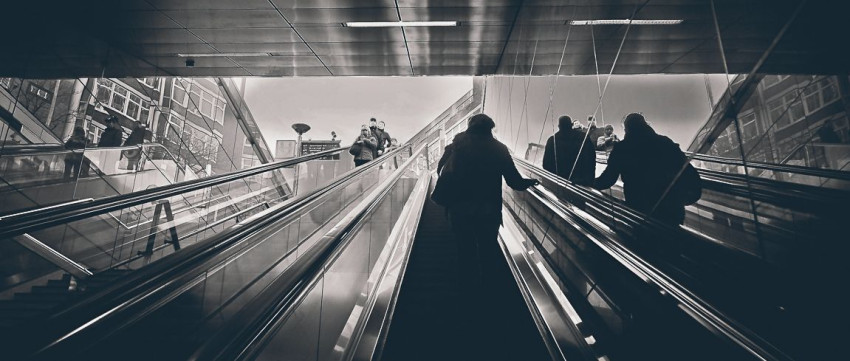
(26,222)
(631,217)
(702,311)
(783,168)
(793,195)
(60,149)
(242,337)
(119,304)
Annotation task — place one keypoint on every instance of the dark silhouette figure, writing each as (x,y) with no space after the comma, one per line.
(368,147)
(563,148)
(134,156)
(112,136)
(477,163)
(76,164)
(648,163)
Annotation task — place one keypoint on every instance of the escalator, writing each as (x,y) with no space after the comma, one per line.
(123,234)
(435,317)
(773,302)
(167,290)
(366,269)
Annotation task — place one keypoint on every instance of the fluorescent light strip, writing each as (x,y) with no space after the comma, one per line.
(625,22)
(213,55)
(390,24)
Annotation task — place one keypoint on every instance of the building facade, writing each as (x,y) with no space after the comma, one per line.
(792,119)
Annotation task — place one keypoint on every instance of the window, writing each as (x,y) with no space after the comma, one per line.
(178,94)
(749,126)
(104,91)
(771,80)
(201,101)
(94,130)
(819,93)
(219,111)
(144,112)
(6,82)
(133,106)
(39,92)
(150,82)
(786,109)
(120,98)
(175,128)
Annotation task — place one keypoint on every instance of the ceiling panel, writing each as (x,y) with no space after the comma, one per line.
(247,35)
(294,37)
(217,19)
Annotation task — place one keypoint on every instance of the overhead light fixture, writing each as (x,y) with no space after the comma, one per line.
(213,55)
(391,24)
(625,22)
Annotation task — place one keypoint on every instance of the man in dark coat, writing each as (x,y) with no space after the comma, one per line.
(385,140)
(136,137)
(563,148)
(112,136)
(377,133)
(477,163)
(648,163)
(76,164)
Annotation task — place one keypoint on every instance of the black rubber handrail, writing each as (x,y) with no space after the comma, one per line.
(784,168)
(795,196)
(143,290)
(245,333)
(730,328)
(17,224)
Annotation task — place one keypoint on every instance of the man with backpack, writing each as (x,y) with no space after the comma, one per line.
(657,178)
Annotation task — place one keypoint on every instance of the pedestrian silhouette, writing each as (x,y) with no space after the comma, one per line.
(649,163)
(564,147)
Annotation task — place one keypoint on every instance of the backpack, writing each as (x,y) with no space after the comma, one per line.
(355,149)
(446,190)
(689,185)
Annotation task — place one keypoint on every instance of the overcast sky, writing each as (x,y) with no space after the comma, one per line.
(676,104)
(342,104)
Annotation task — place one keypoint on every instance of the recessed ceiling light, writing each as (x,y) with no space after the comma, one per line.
(212,55)
(625,22)
(390,24)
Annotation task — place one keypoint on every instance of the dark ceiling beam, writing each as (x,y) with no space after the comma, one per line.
(508,37)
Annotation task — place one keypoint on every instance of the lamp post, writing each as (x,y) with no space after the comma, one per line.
(299,128)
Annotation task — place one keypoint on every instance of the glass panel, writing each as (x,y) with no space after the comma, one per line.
(224,291)
(117,238)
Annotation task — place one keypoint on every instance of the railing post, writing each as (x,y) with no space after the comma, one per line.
(169,216)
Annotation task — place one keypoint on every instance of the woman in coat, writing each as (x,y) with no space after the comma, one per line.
(368,146)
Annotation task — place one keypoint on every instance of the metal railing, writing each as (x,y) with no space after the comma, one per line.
(141,292)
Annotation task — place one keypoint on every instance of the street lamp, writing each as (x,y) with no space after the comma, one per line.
(299,128)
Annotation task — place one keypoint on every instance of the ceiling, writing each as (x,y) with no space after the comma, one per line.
(117,38)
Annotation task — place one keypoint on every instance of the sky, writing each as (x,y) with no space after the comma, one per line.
(342,104)
(675,105)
